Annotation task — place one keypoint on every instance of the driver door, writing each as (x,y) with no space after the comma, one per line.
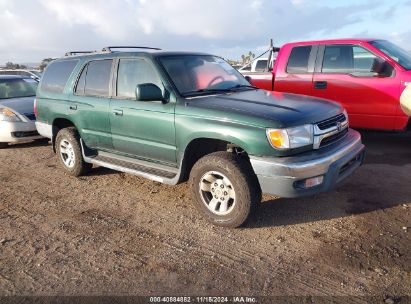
(141,129)
(347,74)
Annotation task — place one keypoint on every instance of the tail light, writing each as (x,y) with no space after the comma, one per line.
(35,107)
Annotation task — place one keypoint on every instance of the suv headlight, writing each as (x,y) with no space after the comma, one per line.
(291,138)
(8,115)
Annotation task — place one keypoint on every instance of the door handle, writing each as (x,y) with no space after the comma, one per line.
(118,112)
(320,85)
(73,108)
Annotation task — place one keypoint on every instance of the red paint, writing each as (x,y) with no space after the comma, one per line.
(371,102)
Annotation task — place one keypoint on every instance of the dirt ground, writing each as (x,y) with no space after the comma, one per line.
(110,233)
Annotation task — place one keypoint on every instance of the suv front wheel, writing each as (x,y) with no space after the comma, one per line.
(224,188)
(69,152)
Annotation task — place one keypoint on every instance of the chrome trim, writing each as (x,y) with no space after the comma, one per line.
(320,135)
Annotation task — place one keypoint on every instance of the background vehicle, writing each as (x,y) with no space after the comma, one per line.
(257,65)
(366,76)
(17,110)
(34,74)
(173,116)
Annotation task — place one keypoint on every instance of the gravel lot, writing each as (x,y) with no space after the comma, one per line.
(112,233)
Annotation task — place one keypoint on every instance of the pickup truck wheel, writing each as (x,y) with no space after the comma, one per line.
(224,188)
(3,145)
(69,152)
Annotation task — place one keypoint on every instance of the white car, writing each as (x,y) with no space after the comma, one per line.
(34,74)
(257,65)
(17,119)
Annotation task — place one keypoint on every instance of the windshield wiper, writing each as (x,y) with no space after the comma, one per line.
(239,86)
(234,88)
(191,93)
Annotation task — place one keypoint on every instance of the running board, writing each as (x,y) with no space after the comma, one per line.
(155,172)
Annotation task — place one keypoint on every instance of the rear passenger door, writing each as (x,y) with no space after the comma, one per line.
(296,74)
(141,129)
(90,104)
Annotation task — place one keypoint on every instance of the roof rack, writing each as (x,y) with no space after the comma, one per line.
(108,49)
(74,53)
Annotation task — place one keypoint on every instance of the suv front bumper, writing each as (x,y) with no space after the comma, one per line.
(285,176)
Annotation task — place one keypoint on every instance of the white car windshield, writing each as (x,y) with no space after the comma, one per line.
(202,74)
(17,87)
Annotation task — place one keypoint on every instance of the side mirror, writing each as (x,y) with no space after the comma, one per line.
(148,92)
(381,68)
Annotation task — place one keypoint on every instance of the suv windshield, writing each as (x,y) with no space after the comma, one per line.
(202,74)
(14,88)
(395,52)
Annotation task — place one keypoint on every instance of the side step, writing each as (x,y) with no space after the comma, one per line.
(155,172)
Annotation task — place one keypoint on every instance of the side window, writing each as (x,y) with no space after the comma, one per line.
(365,61)
(81,84)
(56,75)
(338,59)
(298,61)
(98,78)
(350,59)
(132,72)
(261,65)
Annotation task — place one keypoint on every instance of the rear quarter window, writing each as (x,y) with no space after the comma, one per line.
(56,75)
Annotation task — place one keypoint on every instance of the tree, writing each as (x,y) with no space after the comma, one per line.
(247,57)
(44,63)
(15,66)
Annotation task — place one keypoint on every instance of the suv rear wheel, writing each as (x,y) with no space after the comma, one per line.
(69,152)
(224,188)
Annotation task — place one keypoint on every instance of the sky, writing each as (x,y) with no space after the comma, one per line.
(36,29)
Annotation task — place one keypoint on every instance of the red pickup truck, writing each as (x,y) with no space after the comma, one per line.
(367,76)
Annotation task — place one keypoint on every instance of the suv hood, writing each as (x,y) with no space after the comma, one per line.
(270,109)
(22,105)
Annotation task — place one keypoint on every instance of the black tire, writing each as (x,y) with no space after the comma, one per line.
(3,145)
(243,180)
(71,136)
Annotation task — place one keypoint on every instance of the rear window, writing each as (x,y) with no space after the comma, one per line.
(56,76)
(298,61)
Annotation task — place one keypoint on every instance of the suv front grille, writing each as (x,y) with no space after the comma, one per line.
(333,138)
(331,122)
(330,130)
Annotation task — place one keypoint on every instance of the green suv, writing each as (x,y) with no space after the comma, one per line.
(176,116)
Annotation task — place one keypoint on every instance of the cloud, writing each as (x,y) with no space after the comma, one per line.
(111,20)
(37,29)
